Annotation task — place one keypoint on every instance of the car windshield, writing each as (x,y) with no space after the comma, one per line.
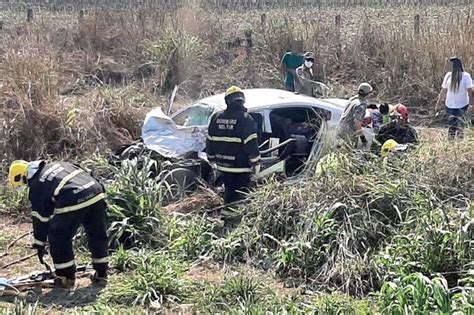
(195,115)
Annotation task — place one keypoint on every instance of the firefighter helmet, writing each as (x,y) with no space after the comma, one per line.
(17,173)
(234,93)
(391,145)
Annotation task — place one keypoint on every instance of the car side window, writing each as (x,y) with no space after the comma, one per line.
(195,115)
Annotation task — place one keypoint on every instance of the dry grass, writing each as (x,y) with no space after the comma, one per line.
(70,86)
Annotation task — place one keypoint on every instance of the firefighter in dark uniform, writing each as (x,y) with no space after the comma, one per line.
(64,197)
(232,144)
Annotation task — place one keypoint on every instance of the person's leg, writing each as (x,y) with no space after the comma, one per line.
(62,229)
(242,185)
(461,122)
(452,123)
(95,224)
(230,194)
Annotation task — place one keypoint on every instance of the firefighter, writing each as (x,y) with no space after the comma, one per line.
(64,197)
(233,145)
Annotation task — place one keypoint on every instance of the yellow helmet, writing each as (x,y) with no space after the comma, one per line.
(390,146)
(234,93)
(233,89)
(17,173)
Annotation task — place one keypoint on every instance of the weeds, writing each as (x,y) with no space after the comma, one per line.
(175,55)
(149,278)
(329,231)
(135,199)
(418,294)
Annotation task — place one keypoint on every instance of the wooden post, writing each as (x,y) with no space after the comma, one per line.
(417,25)
(338,21)
(263,20)
(81,14)
(29,15)
(248,39)
(1,24)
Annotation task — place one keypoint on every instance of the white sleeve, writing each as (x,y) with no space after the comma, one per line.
(445,81)
(468,80)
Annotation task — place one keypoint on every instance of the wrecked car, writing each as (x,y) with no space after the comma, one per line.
(292,129)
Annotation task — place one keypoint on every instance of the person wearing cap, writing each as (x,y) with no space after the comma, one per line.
(456,87)
(64,197)
(304,79)
(353,116)
(232,144)
(289,63)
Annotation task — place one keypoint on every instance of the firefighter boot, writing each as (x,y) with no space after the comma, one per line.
(64,282)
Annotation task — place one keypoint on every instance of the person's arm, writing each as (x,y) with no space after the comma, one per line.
(41,214)
(210,150)
(250,141)
(359,115)
(444,91)
(283,65)
(441,98)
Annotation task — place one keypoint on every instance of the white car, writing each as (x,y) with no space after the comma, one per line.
(292,128)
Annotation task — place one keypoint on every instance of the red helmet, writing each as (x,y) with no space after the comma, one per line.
(402,110)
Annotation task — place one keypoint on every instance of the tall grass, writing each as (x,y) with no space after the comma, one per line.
(328,230)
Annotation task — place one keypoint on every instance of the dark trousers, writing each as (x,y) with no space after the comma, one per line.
(456,122)
(236,185)
(63,227)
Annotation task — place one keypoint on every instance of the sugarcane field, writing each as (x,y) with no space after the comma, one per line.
(237,157)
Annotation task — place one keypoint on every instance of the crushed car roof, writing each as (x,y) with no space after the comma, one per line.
(259,98)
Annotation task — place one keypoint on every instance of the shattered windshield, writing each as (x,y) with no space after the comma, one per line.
(196,115)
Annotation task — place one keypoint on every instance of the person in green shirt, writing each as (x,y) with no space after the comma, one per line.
(289,63)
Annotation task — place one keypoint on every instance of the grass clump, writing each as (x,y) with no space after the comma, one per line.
(418,294)
(242,294)
(147,279)
(434,242)
(175,55)
(135,198)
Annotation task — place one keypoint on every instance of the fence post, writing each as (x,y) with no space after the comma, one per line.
(338,21)
(29,15)
(417,25)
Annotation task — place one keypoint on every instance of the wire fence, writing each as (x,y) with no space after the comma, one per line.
(75,5)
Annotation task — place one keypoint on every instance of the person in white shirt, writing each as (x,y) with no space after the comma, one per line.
(457,85)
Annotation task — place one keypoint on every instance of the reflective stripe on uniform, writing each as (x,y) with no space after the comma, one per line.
(234,169)
(65,180)
(225,139)
(38,242)
(255,160)
(250,138)
(80,206)
(100,260)
(40,217)
(65,265)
